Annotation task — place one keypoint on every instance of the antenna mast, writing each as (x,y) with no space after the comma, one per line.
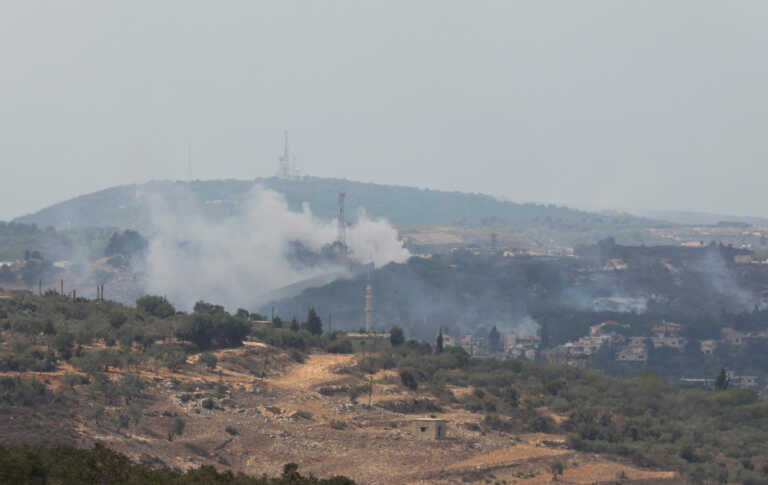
(341,236)
(284,170)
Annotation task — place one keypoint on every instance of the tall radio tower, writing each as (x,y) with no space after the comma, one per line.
(341,236)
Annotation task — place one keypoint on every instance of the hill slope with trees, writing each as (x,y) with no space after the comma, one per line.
(126,206)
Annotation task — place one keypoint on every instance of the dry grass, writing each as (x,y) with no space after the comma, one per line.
(368,449)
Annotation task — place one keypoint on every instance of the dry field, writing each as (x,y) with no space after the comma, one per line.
(284,418)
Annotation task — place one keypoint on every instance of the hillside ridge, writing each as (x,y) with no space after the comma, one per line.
(125,206)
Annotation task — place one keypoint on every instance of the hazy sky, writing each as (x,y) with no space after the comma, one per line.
(609,104)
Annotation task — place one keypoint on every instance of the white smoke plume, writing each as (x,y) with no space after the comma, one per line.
(237,261)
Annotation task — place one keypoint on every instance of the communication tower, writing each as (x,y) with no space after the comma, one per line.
(341,235)
(284,169)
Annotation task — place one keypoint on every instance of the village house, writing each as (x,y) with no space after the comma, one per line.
(733,336)
(521,346)
(474,346)
(561,356)
(667,334)
(635,351)
(707,347)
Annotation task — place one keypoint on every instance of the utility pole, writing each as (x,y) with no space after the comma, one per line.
(370,391)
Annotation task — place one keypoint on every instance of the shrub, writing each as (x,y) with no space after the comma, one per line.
(408,378)
(116,320)
(340,347)
(339,425)
(396,336)
(209,360)
(156,306)
(302,415)
(177,427)
(231,430)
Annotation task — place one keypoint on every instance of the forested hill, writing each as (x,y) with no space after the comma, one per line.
(126,206)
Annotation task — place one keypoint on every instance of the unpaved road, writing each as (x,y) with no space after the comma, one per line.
(318,369)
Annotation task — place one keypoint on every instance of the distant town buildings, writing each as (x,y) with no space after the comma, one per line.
(514,346)
(521,346)
(635,351)
(667,334)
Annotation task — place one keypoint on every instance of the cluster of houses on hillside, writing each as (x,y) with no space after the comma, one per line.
(635,349)
(627,349)
(512,346)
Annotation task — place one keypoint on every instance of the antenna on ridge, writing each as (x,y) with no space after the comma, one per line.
(284,169)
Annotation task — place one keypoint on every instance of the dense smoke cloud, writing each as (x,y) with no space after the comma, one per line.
(237,261)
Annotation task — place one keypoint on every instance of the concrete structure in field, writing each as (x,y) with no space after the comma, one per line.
(428,428)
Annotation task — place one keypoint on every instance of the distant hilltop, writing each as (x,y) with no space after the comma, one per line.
(126,206)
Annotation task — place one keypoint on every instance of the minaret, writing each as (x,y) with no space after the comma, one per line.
(368,305)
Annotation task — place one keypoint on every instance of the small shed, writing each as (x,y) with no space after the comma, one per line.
(428,428)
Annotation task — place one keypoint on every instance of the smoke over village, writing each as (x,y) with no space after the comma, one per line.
(375,243)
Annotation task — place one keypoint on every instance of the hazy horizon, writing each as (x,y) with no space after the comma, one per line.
(592,105)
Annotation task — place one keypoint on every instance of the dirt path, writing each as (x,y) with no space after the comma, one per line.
(507,456)
(318,368)
(225,352)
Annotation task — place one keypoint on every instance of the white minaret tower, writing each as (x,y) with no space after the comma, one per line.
(368,306)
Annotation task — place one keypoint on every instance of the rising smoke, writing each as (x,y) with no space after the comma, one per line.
(239,260)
